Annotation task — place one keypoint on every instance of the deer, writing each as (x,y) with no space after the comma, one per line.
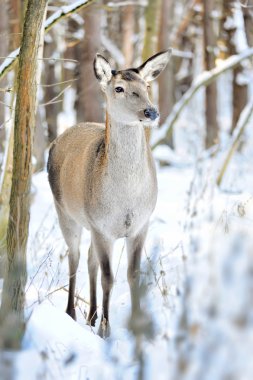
(103,179)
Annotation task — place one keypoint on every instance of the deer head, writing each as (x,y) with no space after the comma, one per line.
(126,91)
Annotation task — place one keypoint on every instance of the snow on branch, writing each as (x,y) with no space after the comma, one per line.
(203,79)
(235,140)
(62,13)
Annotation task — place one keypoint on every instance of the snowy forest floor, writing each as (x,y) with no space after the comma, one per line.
(197,272)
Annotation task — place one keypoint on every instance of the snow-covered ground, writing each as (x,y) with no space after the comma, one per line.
(197,280)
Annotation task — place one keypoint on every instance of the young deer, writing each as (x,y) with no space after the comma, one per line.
(103,178)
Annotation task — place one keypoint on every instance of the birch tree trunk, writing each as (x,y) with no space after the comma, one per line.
(209,63)
(13,296)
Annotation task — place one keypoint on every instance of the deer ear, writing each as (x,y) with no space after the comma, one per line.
(150,69)
(102,70)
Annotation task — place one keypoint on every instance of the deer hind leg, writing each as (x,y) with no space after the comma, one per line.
(72,234)
(93,270)
(134,249)
(103,248)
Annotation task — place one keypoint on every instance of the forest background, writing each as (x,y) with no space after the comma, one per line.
(205,98)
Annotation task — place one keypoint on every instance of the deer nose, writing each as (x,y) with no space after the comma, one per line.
(151,113)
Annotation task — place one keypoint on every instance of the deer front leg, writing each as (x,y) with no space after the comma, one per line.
(93,270)
(134,249)
(103,248)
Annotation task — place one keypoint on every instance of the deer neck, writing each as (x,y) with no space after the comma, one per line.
(125,143)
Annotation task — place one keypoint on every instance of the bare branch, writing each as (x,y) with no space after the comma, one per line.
(55,99)
(57,83)
(62,13)
(203,79)
(235,140)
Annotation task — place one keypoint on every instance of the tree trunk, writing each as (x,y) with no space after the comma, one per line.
(128,24)
(166,79)
(239,90)
(152,14)
(3,53)
(50,92)
(13,297)
(209,63)
(89,98)
(14,11)
(13,41)
(248,21)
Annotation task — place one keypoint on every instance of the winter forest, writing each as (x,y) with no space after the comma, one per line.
(186,312)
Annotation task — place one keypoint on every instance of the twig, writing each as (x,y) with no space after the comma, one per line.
(54,100)
(57,83)
(245,5)
(62,13)
(77,296)
(203,79)
(240,127)
(6,105)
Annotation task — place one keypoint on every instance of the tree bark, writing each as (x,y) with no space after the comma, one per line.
(13,16)
(152,14)
(248,21)
(13,297)
(239,90)
(128,25)
(89,98)
(3,53)
(209,63)
(50,92)
(167,78)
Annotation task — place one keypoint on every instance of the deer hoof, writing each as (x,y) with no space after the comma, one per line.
(71,312)
(104,330)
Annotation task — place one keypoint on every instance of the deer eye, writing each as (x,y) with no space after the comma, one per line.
(135,94)
(119,89)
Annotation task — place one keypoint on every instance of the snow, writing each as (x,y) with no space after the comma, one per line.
(12,56)
(197,271)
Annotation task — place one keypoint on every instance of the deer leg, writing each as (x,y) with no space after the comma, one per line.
(134,249)
(103,249)
(72,235)
(93,270)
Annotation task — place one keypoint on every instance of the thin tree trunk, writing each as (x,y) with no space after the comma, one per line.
(50,92)
(13,297)
(152,14)
(89,98)
(239,90)
(167,79)
(128,25)
(248,21)
(13,40)
(209,63)
(3,53)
